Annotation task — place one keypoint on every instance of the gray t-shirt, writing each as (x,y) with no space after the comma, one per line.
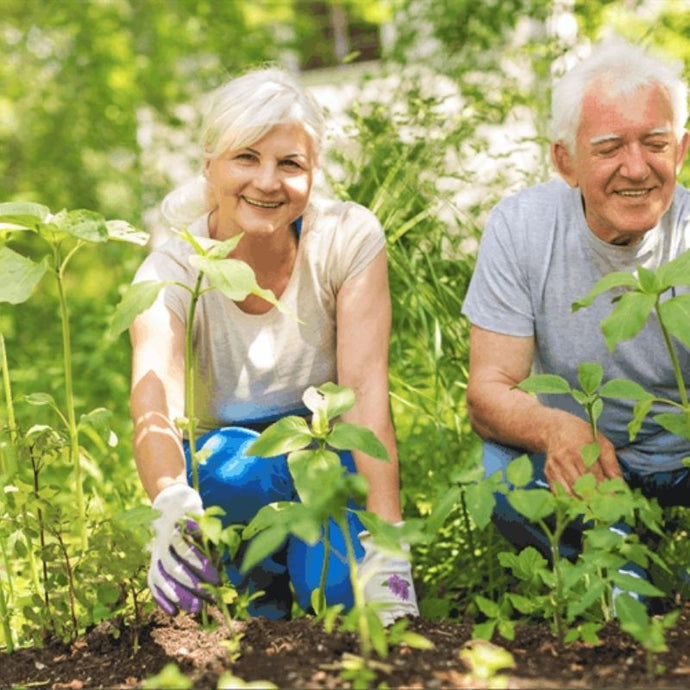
(256,367)
(537,256)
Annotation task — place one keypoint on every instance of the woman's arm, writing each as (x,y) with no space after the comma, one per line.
(364,325)
(157,397)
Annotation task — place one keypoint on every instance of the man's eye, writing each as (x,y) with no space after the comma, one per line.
(657,146)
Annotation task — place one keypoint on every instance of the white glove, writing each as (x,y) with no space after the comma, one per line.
(387,580)
(178,568)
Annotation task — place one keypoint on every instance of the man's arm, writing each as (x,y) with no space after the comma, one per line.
(501,413)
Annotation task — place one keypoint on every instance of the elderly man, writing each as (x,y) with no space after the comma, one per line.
(619,142)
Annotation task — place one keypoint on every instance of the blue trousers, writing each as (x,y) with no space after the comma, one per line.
(243,484)
(669,488)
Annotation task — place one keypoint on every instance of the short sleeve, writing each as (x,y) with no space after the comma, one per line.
(358,239)
(498,298)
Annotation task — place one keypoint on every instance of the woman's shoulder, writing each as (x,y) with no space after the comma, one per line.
(325,215)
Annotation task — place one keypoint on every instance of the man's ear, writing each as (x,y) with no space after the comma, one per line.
(563,162)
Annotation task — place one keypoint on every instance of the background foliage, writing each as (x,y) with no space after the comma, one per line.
(94,113)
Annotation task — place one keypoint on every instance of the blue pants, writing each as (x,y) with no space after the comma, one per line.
(241,485)
(669,488)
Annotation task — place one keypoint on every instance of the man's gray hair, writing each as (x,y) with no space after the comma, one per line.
(622,68)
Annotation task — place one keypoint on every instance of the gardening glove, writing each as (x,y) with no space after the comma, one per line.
(178,567)
(387,580)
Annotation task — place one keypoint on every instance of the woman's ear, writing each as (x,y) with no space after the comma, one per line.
(563,162)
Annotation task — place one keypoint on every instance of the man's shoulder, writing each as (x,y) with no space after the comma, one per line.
(538,196)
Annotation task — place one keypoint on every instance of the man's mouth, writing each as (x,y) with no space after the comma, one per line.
(262,204)
(633,193)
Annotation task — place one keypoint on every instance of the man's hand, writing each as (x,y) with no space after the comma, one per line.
(564,462)
(178,568)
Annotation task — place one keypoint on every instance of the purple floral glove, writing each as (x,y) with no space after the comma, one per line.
(178,567)
(387,580)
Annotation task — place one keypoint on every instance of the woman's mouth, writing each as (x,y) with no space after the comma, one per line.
(262,204)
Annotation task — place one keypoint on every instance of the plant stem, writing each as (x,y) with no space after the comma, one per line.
(324,567)
(5,615)
(72,430)
(682,390)
(189,381)
(9,467)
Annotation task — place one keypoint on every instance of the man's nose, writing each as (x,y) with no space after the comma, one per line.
(635,165)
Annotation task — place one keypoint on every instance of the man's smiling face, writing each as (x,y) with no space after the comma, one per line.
(625,161)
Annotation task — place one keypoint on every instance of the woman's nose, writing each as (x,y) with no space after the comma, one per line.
(266,178)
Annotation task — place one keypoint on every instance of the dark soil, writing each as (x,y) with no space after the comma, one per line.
(299,654)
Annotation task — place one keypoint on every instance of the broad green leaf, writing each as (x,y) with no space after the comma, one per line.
(544,383)
(480,502)
(221,250)
(519,472)
(386,536)
(98,419)
(22,215)
(590,454)
(40,399)
(138,298)
(122,231)
(19,276)
(676,272)
(534,504)
(283,436)
(442,509)
(623,389)
(639,585)
(83,224)
(649,283)
(596,409)
(415,640)
(593,592)
(346,436)
(317,475)
(676,423)
(339,399)
(628,318)
(263,545)
(268,515)
(487,606)
(675,315)
(612,280)
(640,412)
(590,375)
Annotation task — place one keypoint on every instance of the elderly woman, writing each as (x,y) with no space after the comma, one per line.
(326,261)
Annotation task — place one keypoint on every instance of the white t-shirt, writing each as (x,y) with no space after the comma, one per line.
(538,256)
(256,367)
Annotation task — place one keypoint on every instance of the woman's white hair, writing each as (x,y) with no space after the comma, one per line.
(237,115)
(622,68)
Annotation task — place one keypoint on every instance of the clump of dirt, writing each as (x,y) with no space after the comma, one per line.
(300,654)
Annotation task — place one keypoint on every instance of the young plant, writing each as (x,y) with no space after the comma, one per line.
(63,235)
(326,490)
(644,294)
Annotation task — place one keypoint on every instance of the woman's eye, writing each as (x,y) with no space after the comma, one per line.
(245,157)
(290,163)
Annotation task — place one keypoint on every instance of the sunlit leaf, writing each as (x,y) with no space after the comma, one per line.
(628,318)
(590,375)
(676,272)
(138,298)
(649,283)
(609,281)
(534,504)
(263,545)
(480,502)
(640,412)
(283,436)
(19,276)
(544,383)
(676,423)
(83,224)
(15,215)
(355,437)
(675,315)
(122,231)
(590,453)
(519,472)
(339,399)
(623,389)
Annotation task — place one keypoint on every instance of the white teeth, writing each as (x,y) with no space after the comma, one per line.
(262,204)
(639,192)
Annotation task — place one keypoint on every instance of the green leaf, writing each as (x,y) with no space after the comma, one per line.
(138,298)
(534,504)
(649,283)
(339,399)
(122,231)
(17,215)
(267,516)
(317,474)
(639,585)
(544,383)
(519,472)
(590,375)
(632,615)
(283,436)
(98,419)
(263,545)
(220,250)
(596,409)
(19,276)
(608,282)
(170,678)
(676,423)
(623,389)
(442,509)
(346,436)
(628,318)
(590,453)
(83,224)
(487,606)
(675,315)
(676,272)
(480,502)
(640,412)
(40,399)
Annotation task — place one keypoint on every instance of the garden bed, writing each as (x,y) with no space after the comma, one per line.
(299,654)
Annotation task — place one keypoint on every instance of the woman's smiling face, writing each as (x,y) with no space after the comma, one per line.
(264,187)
